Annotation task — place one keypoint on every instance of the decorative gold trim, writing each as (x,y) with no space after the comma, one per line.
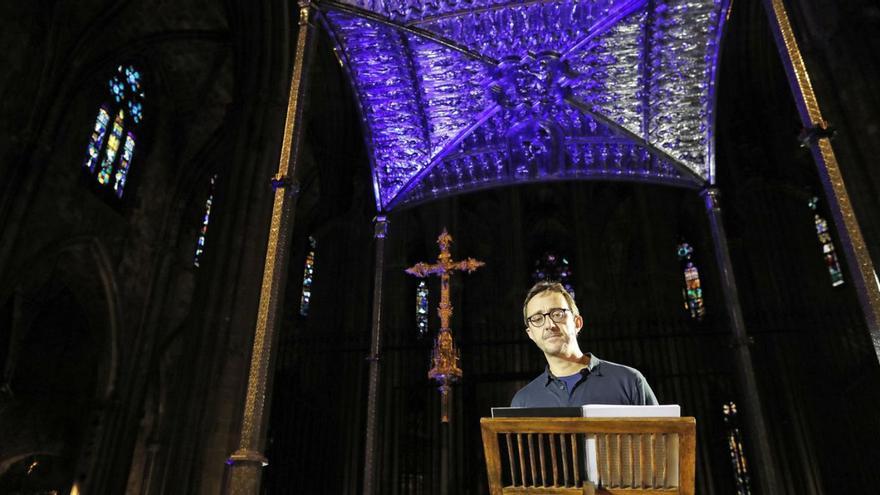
(851,235)
(797,63)
(863,257)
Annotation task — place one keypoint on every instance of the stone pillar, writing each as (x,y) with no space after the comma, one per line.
(756,428)
(381,230)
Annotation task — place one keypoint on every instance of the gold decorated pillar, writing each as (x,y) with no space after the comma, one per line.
(818,136)
(246,463)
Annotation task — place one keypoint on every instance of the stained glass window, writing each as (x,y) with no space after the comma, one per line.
(122,170)
(308,277)
(829,254)
(736,449)
(108,157)
(692,291)
(203,231)
(422,308)
(112,149)
(96,143)
(551,266)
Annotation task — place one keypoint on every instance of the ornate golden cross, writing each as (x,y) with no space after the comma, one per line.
(445,356)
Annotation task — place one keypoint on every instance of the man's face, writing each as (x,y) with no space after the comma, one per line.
(555,339)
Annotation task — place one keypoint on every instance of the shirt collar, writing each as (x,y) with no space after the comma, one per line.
(592,367)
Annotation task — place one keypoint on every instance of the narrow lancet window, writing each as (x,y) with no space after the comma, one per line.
(308,277)
(422,308)
(96,143)
(737,451)
(206,218)
(692,292)
(829,254)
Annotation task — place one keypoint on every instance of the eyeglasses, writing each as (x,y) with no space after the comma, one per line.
(557,315)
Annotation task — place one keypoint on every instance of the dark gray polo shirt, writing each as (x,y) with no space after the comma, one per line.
(602,382)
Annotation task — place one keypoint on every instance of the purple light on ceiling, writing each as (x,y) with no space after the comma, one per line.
(463,95)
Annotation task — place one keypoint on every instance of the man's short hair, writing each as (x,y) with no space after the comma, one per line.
(548,286)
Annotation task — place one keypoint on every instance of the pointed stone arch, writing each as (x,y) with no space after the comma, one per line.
(69,285)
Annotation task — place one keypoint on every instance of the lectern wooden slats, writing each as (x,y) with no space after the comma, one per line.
(665,462)
(532,460)
(618,461)
(631,479)
(564,459)
(522,459)
(510,457)
(638,456)
(541,455)
(643,461)
(605,476)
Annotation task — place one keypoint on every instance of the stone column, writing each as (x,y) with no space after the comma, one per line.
(381,230)
(756,428)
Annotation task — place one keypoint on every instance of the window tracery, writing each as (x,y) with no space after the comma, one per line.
(110,150)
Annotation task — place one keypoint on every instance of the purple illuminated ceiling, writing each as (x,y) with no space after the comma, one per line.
(458,95)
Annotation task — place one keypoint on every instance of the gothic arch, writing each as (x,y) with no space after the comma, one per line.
(83,265)
(63,355)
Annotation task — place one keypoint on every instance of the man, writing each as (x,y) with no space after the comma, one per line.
(572,378)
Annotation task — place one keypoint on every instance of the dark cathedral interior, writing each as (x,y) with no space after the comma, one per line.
(131,284)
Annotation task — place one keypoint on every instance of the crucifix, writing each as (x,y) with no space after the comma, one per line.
(445,356)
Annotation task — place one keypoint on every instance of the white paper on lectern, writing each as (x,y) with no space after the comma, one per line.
(591,452)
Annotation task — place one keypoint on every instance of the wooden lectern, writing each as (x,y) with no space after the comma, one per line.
(577,456)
